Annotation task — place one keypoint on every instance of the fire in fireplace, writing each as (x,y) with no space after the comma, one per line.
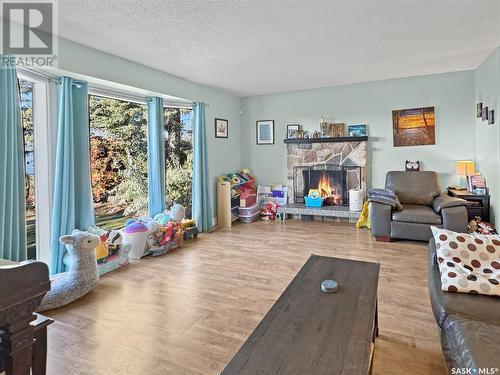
(331,181)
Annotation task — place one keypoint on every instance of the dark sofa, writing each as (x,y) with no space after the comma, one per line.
(423,206)
(470,324)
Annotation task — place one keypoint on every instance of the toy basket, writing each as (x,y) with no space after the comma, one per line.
(313,201)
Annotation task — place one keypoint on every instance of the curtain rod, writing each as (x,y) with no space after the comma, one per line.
(33,74)
(101,91)
(140,99)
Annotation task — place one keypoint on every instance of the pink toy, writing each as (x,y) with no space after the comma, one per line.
(167,236)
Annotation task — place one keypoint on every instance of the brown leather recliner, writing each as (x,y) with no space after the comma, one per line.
(423,206)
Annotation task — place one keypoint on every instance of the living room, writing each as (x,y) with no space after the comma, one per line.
(250,187)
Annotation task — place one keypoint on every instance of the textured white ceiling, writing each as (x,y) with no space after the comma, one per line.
(257,47)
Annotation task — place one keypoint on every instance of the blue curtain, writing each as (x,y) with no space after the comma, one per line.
(73,207)
(202,210)
(12,188)
(156,156)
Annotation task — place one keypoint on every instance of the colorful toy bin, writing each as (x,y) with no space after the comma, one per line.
(135,234)
(313,201)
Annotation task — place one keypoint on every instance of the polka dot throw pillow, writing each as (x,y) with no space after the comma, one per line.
(468,263)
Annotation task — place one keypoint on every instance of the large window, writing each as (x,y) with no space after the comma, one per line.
(118,154)
(179,150)
(26,92)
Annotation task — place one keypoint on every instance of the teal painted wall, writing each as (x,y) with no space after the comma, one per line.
(459,134)
(224,154)
(452,95)
(487,137)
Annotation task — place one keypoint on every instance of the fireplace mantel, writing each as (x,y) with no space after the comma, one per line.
(324,140)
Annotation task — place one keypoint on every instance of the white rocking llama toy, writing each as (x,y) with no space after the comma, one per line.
(82,276)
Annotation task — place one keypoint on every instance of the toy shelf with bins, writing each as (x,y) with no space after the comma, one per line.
(227,207)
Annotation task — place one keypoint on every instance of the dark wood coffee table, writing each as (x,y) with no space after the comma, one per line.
(311,332)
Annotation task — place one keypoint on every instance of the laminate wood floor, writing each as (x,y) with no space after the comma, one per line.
(188,312)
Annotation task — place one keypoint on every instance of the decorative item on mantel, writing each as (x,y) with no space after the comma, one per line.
(292,130)
(332,130)
(356,130)
(324,128)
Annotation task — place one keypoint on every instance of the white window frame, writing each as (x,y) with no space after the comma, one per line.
(45,138)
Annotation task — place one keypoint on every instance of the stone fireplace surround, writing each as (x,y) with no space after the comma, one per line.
(344,151)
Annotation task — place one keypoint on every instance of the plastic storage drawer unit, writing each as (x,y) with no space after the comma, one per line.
(249,219)
(249,211)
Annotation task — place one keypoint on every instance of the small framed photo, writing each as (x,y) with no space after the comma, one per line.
(491,117)
(265,132)
(479,110)
(292,131)
(221,128)
(484,114)
(356,130)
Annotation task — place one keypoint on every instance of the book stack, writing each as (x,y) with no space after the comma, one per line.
(476,184)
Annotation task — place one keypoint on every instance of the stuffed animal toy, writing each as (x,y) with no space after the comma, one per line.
(163,218)
(412,166)
(177,213)
(82,276)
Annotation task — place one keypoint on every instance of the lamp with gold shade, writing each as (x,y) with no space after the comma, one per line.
(465,168)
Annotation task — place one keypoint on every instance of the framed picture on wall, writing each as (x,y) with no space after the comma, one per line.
(221,128)
(484,114)
(265,132)
(414,127)
(479,110)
